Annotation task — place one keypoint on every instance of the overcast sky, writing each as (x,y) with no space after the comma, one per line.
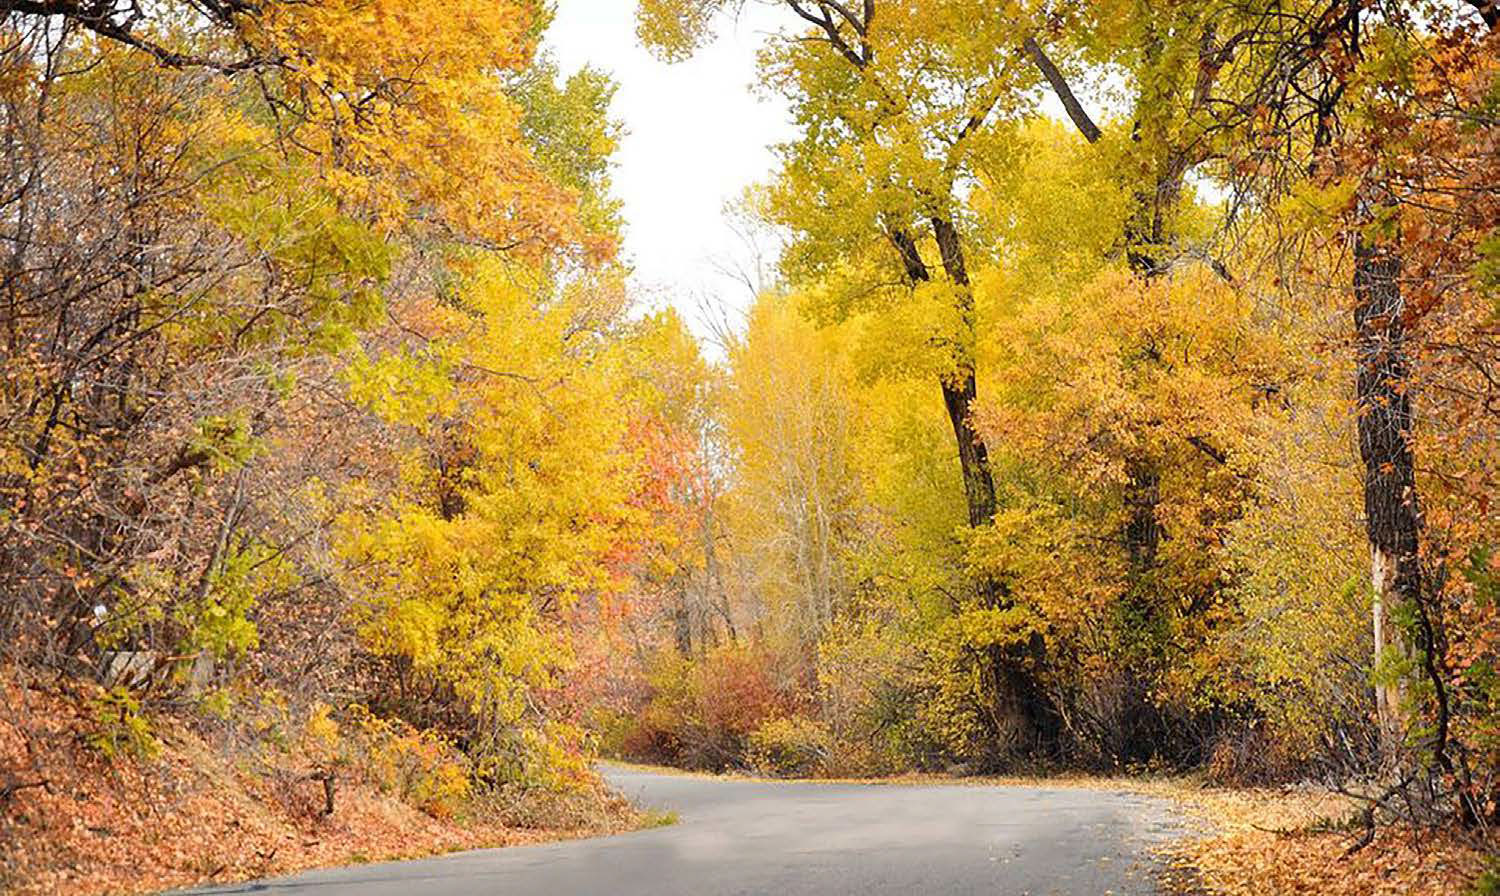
(698,134)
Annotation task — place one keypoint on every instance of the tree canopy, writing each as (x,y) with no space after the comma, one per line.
(1124,396)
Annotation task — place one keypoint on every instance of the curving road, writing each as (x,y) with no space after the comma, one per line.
(758,837)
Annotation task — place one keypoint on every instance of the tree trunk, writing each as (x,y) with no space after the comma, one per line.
(973,458)
(1145,238)
(1142,532)
(1392,521)
(959,392)
(1018,693)
(714,591)
(682,617)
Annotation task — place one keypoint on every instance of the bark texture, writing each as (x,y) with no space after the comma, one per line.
(1392,518)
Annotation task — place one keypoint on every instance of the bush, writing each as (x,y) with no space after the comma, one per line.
(121,727)
(872,701)
(702,711)
(1488,883)
(1251,755)
(590,806)
(792,747)
(420,767)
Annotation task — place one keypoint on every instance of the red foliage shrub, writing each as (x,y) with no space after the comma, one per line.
(702,710)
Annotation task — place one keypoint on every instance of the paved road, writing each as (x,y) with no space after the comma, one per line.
(786,839)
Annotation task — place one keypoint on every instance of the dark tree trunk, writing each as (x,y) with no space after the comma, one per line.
(960,390)
(1061,88)
(1383,405)
(1145,238)
(973,457)
(1018,694)
(1489,11)
(1147,234)
(1142,532)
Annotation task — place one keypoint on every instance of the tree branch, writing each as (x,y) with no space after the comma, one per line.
(1054,77)
(911,259)
(1489,11)
(829,27)
(102,19)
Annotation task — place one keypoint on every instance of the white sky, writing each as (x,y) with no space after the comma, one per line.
(698,134)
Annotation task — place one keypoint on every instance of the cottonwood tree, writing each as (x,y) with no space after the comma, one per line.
(1332,94)
(1338,97)
(897,103)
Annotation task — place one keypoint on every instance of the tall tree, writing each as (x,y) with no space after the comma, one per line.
(898,102)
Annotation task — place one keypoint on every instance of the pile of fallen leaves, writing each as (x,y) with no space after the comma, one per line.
(1295,841)
(73,821)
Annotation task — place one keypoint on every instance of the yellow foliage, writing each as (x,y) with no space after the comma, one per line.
(422,768)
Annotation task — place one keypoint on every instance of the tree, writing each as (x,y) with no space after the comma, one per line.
(896,117)
(790,419)
(249,254)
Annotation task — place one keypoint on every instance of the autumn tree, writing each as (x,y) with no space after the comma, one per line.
(790,418)
(1329,100)
(898,103)
(1318,100)
(252,257)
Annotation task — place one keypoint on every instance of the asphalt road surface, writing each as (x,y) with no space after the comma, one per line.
(785,839)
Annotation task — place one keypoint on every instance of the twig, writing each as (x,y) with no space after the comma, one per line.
(16,787)
(1368,817)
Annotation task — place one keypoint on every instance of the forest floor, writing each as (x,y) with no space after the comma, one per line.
(1297,840)
(73,821)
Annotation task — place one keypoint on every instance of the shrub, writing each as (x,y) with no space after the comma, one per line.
(702,711)
(790,747)
(421,768)
(588,807)
(1250,755)
(1488,883)
(872,701)
(121,727)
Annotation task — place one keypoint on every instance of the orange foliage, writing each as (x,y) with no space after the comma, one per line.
(194,813)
